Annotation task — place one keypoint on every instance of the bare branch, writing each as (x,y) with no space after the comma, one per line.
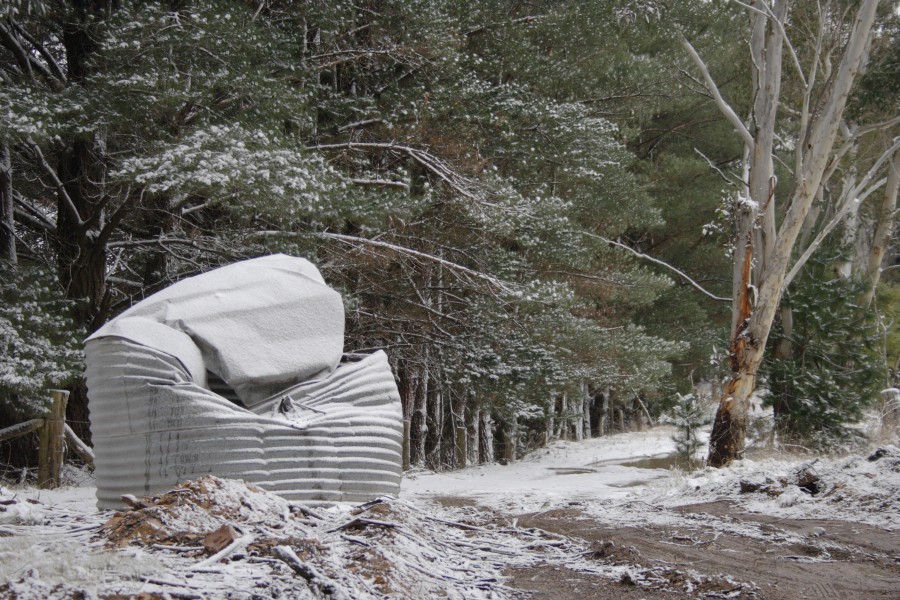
(362,123)
(724,107)
(29,220)
(785,38)
(681,273)
(432,163)
(807,94)
(850,200)
(60,188)
(382,183)
(356,241)
(51,62)
(824,131)
(714,167)
(12,44)
(853,139)
(46,222)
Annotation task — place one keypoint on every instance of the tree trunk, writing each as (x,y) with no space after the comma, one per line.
(81,255)
(753,321)
(510,439)
(419,425)
(487,438)
(604,413)
(407,402)
(550,429)
(884,227)
(578,418)
(7,222)
(473,422)
(586,403)
(460,433)
(435,407)
(564,417)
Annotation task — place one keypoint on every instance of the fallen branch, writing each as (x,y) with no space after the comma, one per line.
(308,572)
(241,542)
(75,444)
(360,522)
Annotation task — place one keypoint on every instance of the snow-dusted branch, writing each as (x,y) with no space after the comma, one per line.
(382,183)
(433,164)
(54,178)
(850,200)
(51,62)
(359,241)
(724,107)
(661,263)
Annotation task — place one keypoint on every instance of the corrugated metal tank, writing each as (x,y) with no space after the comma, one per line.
(155,422)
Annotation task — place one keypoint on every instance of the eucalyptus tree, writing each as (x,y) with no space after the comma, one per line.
(826,63)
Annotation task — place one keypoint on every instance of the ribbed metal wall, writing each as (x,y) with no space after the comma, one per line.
(336,439)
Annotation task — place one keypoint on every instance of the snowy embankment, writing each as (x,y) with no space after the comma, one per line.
(217,538)
(608,474)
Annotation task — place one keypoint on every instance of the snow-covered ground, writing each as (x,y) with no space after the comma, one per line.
(591,472)
(563,472)
(54,544)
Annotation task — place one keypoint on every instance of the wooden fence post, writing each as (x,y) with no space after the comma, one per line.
(52,436)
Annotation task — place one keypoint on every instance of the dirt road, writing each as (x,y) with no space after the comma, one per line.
(834,560)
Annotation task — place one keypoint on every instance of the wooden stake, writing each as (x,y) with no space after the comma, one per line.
(53,441)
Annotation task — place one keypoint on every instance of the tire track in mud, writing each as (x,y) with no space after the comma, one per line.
(788,560)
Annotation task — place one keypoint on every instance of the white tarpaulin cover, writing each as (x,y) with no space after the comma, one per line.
(309,425)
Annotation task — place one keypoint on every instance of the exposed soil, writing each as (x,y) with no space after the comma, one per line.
(834,560)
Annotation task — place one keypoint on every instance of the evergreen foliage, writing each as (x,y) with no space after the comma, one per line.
(689,418)
(453,167)
(40,345)
(834,372)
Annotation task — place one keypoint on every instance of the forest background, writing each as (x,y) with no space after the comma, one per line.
(483,181)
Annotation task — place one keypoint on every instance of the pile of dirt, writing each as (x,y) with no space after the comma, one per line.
(386,547)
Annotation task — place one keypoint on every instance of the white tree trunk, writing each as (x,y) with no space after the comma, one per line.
(757,291)
(884,226)
(587,402)
(487,437)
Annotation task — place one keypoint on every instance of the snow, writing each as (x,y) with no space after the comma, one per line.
(562,472)
(422,544)
(852,488)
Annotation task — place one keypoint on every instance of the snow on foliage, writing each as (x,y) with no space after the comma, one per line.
(39,347)
(225,160)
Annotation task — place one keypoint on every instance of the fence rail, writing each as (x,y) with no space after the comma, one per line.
(55,435)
